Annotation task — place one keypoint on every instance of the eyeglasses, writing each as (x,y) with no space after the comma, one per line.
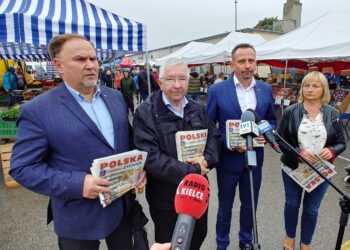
(172,80)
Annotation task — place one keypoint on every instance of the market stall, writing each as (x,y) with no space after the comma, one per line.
(192,48)
(28,26)
(221,51)
(322,44)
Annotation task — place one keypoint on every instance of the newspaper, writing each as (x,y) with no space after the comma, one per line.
(306,177)
(122,170)
(234,139)
(190,143)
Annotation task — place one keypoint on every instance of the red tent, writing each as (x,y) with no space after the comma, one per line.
(126,63)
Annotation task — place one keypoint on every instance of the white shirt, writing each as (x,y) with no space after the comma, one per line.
(246,97)
(312,134)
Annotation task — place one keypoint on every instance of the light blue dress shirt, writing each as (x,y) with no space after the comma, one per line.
(171,107)
(97,111)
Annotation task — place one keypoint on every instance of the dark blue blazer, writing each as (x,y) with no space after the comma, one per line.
(55,146)
(223,105)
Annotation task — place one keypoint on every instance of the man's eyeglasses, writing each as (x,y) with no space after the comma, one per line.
(172,80)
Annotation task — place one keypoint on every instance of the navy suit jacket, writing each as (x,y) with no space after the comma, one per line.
(223,105)
(55,146)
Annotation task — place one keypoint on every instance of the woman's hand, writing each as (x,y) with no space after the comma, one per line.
(310,157)
(326,154)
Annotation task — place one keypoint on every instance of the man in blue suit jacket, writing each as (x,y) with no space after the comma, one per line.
(227,100)
(59,135)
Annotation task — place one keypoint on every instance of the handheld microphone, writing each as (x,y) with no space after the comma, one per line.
(191,202)
(248,129)
(266,130)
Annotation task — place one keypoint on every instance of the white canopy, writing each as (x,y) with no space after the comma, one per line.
(188,50)
(325,38)
(221,51)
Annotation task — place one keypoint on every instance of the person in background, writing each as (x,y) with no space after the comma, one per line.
(118,79)
(102,75)
(56,145)
(220,77)
(108,79)
(155,74)
(194,85)
(228,100)
(313,128)
(156,122)
(128,89)
(9,81)
(143,83)
(21,81)
(137,89)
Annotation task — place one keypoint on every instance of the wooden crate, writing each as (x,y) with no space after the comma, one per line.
(5,152)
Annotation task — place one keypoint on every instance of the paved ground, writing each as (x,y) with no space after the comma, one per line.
(23,213)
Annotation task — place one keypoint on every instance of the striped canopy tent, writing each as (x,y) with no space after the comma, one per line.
(27,26)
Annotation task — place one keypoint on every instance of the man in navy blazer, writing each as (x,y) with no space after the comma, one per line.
(227,100)
(59,135)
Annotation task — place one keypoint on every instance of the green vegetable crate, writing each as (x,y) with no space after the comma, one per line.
(4,100)
(8,129)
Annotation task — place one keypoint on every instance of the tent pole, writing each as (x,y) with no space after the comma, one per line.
(147,70)
(284,84)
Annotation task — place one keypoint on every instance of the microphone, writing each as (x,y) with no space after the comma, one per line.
(248,125)
(265,129)
(191,202)
(248,129)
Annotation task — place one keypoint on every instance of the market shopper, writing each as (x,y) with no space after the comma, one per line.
(228,100)
(194,85)
(9,81)
(156,122)
(21,81)
(128,90)
(109,78)
(313,128)
(118,79)
(143,83)
(59,135)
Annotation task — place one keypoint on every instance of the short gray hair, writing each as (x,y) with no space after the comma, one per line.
(172,61)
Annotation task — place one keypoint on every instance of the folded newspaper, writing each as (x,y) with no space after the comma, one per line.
(306,177)
(190,144)
(122,170)
(234,139)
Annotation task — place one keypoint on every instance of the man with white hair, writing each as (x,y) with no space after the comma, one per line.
(156,122)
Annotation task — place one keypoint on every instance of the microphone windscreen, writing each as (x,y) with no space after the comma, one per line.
(247,116)
(256,115)
(192,196)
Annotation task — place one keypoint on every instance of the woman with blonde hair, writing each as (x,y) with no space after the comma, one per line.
(313,128)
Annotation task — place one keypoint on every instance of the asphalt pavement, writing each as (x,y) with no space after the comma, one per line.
(23,213)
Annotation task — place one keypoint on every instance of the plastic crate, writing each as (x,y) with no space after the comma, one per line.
(4,100)
(8,129)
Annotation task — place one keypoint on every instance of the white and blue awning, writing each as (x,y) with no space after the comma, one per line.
(27,26)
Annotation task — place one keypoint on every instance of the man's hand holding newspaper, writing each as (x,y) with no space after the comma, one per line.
(115,175)
(202,163)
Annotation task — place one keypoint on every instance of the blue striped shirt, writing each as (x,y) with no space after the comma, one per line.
(171,107)
(97,111)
